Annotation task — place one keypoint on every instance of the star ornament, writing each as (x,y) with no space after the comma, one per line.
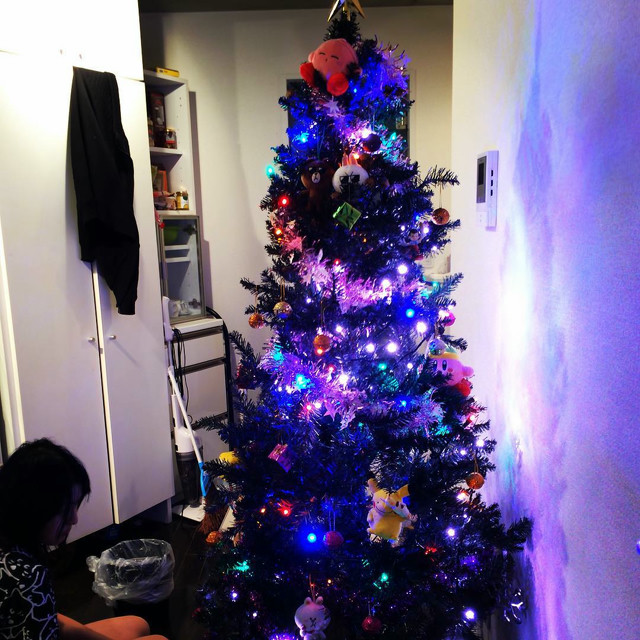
(347,7)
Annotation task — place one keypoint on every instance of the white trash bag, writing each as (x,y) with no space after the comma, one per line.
(134,571)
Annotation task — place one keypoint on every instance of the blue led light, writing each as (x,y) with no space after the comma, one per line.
(312,537)
(410,312)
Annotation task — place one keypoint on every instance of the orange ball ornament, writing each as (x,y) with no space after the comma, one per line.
(475,480)
(440,216)
(321,344)
(256,320)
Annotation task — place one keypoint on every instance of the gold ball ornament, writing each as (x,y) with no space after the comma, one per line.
(440,216)
(256,320)
(282,310)
(475,480)
(321,344)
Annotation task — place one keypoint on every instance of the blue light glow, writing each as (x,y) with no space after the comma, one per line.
(410,312)
(312,537)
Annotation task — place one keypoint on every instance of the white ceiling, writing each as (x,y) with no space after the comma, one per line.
(171,6)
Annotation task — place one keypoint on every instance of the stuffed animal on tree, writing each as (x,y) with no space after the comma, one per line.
(334,61)
(317,178)
(312,619)
(449,365)
(389,513)
(349,177)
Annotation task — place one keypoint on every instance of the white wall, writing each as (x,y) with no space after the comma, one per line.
(236,64)
(550,300)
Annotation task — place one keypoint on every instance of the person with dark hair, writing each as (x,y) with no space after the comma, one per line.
(42,485)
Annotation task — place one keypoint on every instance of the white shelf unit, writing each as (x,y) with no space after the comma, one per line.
(177,162)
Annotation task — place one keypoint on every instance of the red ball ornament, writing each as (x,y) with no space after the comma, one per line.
(256,320)
(475,480)
(440,216)
(321,344)
(282,310)
(332,539)
(372,625)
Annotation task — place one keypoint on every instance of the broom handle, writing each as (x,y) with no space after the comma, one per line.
(185,416)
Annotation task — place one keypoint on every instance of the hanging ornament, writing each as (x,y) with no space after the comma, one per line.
(333,539)
(283,456)
(282,310)
(475,480)
(436,346)
(256,320)
(321,344)
(371,143)
(440,216)
(446,317)
(372,625)
(312,618)
(347,215)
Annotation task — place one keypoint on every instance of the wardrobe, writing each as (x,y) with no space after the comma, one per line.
(71,367)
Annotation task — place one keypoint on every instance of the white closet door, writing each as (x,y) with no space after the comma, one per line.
(51,367)
(138,423)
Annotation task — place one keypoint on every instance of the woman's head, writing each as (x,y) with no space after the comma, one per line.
(41,487)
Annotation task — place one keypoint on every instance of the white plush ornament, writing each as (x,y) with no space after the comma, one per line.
(312,618)
(350,176)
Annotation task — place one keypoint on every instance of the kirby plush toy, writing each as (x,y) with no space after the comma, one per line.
(335,60)
(389,513)
(449,365)
(312,619)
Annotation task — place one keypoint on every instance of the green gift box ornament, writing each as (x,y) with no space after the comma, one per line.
(347,215)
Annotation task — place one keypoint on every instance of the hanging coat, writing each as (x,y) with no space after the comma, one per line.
(103,180)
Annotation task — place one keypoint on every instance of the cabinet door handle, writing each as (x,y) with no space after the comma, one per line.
(112,337)
(91,339)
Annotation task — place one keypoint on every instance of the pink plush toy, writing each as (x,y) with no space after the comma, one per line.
(334,60)
(449,365)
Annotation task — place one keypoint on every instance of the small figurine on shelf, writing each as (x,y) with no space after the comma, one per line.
(182,200)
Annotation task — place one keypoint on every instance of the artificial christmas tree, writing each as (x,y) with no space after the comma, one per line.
(359,455)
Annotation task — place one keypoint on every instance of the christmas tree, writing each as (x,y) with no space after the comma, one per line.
(358,455)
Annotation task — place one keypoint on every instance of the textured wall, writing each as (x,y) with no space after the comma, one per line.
(550,299)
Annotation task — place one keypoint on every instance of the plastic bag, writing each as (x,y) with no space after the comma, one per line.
(135,571)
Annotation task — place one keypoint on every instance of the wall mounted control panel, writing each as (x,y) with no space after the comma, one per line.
(487,189)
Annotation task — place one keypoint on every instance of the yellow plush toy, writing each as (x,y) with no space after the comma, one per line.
(389,513)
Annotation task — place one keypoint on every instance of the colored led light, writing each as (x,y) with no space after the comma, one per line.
(421,327)
(370,347)
(410,312)
(312,538)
